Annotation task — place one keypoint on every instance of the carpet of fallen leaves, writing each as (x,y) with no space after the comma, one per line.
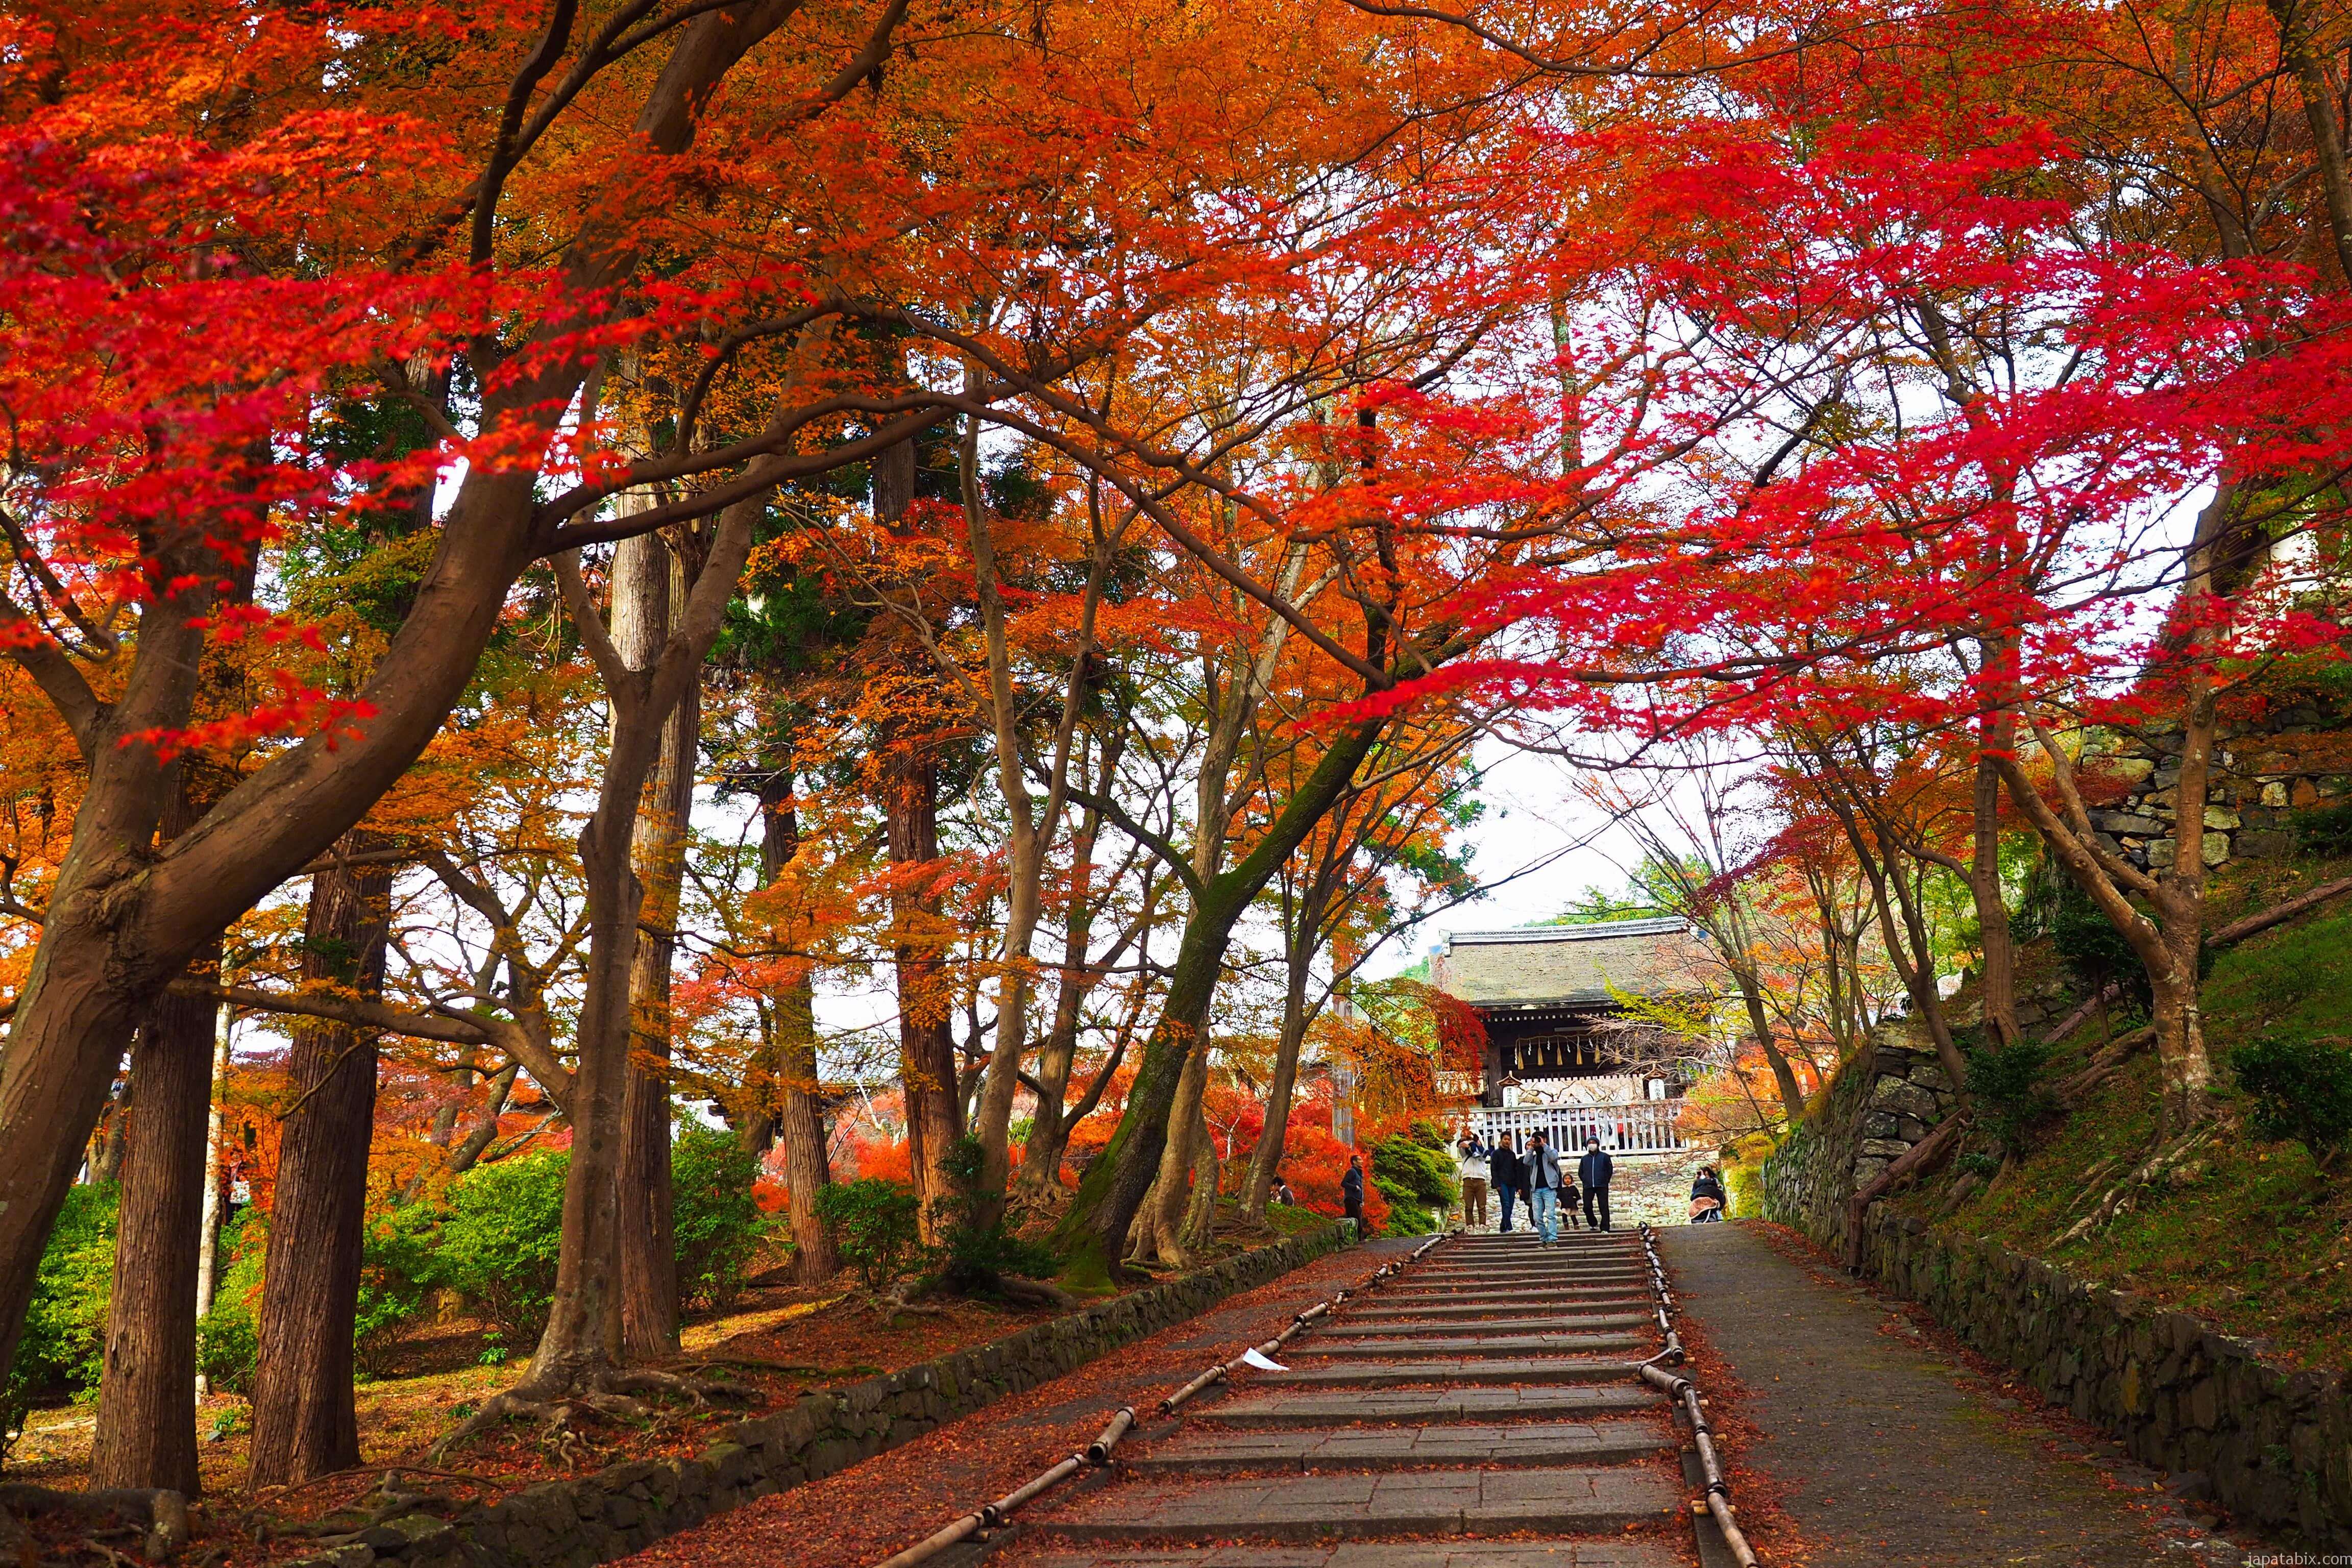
(779,1341)
(871,1511)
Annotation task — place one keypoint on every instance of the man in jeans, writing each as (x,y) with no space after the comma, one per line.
(1593,1171)
(1543,1189)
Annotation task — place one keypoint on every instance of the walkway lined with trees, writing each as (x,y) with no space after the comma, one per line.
(908,601)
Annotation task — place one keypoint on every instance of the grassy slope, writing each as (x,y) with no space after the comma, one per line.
(2255,1241)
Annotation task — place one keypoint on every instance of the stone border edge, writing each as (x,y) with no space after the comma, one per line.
(626,1507)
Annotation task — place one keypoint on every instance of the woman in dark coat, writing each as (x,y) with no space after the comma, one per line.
(1505,1175)
(1707,1200)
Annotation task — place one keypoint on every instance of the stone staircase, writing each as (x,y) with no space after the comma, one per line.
(1481,1410)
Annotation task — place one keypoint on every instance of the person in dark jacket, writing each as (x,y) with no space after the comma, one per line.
(1503,1172)
(1592,1174)
(1707,1202)
(1352,1193)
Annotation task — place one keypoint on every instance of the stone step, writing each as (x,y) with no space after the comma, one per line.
(1555,1343)
(1375,1505)
(1459,1369)
(1539,1297)
(1392,1447)
(1636,1553)
(1532,1268)
(1482,1325)
(1269,1408)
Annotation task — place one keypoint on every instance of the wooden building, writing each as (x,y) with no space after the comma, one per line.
(1561,1053)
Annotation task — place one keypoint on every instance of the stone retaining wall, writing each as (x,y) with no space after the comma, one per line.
(1885,1097)
(626,1507)
(2274,1444)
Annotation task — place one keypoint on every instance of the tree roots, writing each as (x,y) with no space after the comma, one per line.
(2121,1195)
(608,1394)
(158,1515)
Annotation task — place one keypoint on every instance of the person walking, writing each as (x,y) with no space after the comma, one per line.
(1504,1175)
(1352,1193)
(1543,1190)
(1707,1201)
(1593,1172)
(1470,1163)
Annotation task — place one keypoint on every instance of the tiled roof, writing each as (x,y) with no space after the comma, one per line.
(1578,964)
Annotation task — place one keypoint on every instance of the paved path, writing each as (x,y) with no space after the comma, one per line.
(1880,1454)
(1480,1412)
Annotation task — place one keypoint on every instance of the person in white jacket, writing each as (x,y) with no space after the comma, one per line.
(1470,1158)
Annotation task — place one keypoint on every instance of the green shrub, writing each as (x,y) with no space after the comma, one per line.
(974,1254)
(63,1345)
(1406,1217)
(2300,1088)
(2007,1089)
(717,1225)
(1420,1162)
(498,1243)
(63,1348)
(873,1222)
(2091,945)
(228,1338)
(398,1272)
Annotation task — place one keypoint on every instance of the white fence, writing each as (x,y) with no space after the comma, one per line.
(1629,1127)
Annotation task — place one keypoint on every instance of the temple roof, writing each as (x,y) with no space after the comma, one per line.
(1574,965)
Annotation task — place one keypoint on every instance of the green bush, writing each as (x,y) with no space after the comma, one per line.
(1406,1216)
(973,1254)
(873,1222)
(2300,1088)
(498,1243)
(398,1272)
(1420,1162)
(2007,1089)
(2091,945)
(63,1345)
(719,1227)
(228,1338)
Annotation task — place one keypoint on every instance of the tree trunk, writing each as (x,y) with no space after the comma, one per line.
(303,1421)
(1265,1157)
(146,1404)
(1170,1195)
(926,1052)
(465,1152)
(210,1215)
(114,1139)
(648,594)
(800,1112)
(1999,982)
(1200,1227)
(1091,1234)
(582,1340)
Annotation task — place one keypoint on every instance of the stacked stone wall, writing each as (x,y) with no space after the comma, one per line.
(2291,756)
(2273,1443)
(1887,1096)
(624,1508)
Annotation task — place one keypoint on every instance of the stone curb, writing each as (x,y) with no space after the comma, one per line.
(626,1507)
